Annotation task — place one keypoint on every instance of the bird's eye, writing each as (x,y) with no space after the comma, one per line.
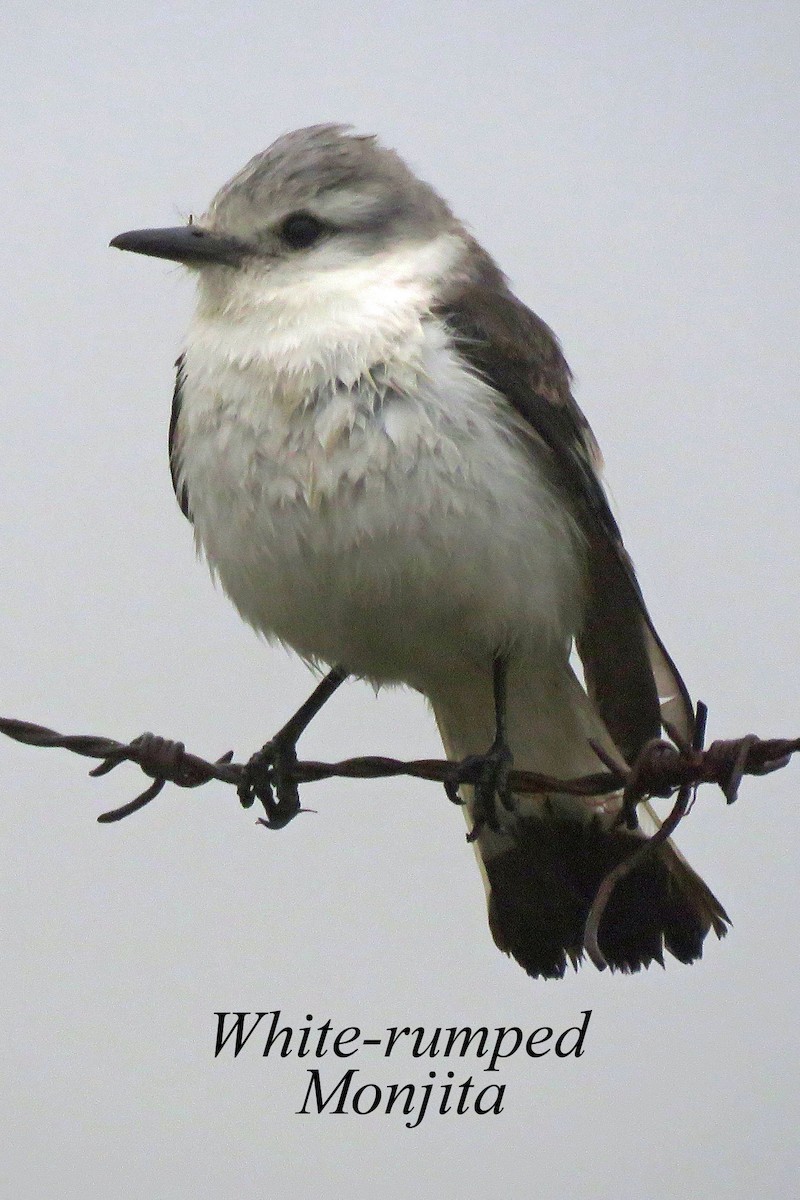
(300,230)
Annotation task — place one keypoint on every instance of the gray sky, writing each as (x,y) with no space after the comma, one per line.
(633,168)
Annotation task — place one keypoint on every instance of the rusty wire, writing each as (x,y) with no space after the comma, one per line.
(661,769)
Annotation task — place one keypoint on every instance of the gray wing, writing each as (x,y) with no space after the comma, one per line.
(628,673)
(179,488)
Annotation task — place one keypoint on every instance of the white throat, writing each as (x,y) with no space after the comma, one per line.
(305,328)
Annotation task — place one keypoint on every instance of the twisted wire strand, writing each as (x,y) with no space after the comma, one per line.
(661,769)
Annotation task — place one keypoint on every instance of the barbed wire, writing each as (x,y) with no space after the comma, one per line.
(661,769)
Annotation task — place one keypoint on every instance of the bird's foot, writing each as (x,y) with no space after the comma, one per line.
(488,773)
(271,774)
(270,777)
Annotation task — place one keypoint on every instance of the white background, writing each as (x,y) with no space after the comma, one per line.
(633,168)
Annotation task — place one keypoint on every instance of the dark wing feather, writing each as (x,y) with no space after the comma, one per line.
(629,674)
(179,488)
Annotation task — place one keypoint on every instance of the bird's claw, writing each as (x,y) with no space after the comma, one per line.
(270,776)
(488,773)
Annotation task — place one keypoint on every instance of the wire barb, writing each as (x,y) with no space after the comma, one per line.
(631,794)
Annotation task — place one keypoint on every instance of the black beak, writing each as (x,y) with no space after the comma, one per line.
(189,244)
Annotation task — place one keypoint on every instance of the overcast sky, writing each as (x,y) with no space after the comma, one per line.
(634,169)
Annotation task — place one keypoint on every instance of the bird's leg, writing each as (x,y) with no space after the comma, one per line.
(269,775)
(488,772)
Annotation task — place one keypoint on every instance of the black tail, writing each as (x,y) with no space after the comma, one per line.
(542,886)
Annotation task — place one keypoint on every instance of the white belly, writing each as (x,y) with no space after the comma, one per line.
(394,531)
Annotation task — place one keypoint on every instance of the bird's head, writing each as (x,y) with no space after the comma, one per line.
(318,202)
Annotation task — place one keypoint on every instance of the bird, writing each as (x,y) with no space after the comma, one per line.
(379,449)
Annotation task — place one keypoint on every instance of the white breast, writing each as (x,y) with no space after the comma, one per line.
(394,523)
